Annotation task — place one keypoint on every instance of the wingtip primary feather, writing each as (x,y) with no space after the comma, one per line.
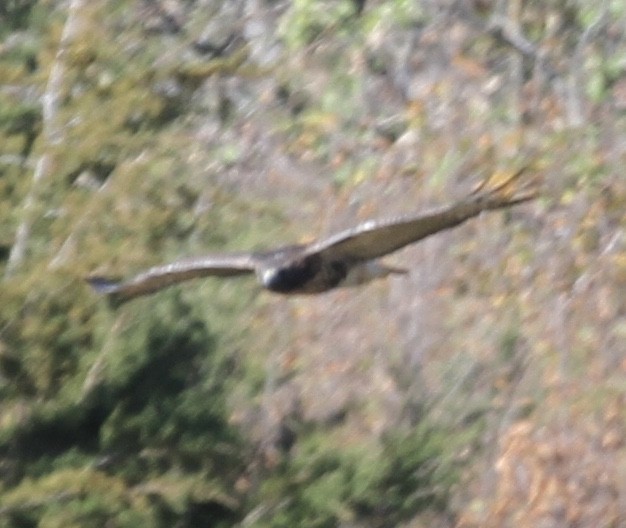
(102,285)
(508,190)
(108,287)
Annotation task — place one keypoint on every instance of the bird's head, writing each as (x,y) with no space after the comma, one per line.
(288,279)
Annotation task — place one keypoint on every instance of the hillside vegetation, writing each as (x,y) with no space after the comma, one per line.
(485,389)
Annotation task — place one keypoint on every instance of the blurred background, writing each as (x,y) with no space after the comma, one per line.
(485,389)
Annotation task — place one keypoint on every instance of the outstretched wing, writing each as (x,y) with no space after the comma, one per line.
(374,239)
(160,277)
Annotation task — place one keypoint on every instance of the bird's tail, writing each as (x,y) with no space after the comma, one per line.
(368,271)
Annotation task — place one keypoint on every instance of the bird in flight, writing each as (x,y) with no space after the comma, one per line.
(346,258)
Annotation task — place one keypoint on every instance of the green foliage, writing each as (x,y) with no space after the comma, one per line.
(145,415)
(153,407)
(14,14)
(173,387)
(381,484)
(307,20)
(46,340)
(419,471)
(310,20)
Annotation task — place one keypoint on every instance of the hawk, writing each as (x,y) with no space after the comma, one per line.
(346,258)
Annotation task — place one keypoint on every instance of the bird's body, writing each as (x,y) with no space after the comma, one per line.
(345,259)
(301,273)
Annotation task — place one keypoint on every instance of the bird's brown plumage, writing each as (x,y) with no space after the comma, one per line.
(327,263)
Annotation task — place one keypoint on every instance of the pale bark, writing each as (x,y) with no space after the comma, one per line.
(52,132)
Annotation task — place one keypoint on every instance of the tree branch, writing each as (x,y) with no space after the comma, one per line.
(52,135)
